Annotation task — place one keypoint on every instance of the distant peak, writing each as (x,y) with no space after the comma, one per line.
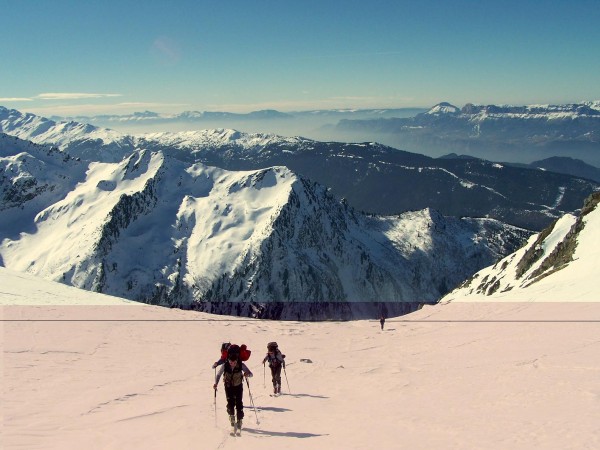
(444,108)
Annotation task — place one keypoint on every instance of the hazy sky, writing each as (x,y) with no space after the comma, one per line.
(91,57)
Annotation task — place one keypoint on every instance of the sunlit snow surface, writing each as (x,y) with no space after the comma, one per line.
(458,375)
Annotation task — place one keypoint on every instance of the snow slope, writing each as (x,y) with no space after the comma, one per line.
(453,376)
(557,265)
(24,289)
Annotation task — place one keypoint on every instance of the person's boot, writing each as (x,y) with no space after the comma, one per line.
(239,424)
(232,420)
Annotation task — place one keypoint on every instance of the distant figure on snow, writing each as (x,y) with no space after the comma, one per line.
(276,362)
(382,321)
(233,371)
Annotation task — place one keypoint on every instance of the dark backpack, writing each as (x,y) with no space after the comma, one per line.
(242,352)
(273,347)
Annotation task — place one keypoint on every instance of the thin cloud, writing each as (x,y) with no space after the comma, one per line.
(166,50)
(15,99)
(72,95)
(97,109)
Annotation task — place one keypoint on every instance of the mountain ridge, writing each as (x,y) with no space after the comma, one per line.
(372,177)
(262,243)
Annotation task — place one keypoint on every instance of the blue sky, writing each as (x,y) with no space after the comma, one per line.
(83,57)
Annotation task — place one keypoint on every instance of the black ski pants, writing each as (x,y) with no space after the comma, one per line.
(234,396)
(276,375)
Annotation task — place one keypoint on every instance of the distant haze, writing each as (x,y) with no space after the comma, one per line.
(505,133)
(318,125)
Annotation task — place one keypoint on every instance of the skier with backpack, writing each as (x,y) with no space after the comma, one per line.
(233,372)
(276,361)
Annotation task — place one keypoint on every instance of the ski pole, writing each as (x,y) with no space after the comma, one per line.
(286,380)
(215,389)
(252,401)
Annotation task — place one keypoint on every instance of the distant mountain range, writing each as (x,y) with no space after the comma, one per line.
(199,117)
(372,177)
(509,133)
(264,243)
(501,133)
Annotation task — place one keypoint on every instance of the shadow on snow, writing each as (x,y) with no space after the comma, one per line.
(268,408)
(291,434)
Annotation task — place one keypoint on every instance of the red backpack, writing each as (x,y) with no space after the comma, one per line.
(242,351)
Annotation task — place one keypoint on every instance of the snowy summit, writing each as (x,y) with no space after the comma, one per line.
(443,108)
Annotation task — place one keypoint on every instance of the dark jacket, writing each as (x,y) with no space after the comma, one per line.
(275,360)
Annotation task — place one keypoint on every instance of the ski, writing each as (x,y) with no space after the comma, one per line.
(233,426)
(236,431)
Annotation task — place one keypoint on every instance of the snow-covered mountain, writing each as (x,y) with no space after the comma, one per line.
(32,177)
(480,113)
(443,108)
(382,180)
(500,133)
(267,243)
(372,177)
(562,256)
(77,139)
